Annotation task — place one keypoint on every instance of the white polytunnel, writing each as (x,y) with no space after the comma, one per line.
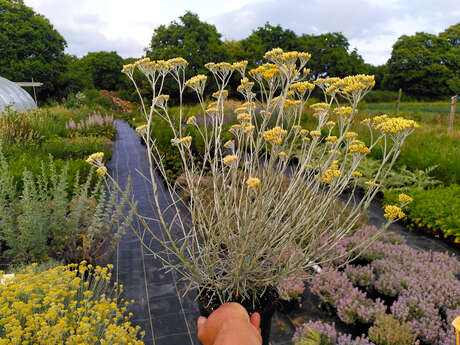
(14,97)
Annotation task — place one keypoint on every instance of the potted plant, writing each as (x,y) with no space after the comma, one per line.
(247,202)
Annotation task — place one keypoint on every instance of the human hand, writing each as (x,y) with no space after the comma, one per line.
(230,324)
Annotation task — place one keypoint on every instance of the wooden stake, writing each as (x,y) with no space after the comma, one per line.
(450,128)
(399,101)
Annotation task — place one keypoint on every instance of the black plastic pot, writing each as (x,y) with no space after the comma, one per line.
(287,307)
(265,305)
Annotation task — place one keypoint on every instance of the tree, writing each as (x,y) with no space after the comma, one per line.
(422,65)
(30,47)
(104,68)
(452,35)
(73,79)
(265,38)
(331,56)
(196,41)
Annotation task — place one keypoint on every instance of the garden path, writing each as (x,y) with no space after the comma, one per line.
(163,313)
(158,295)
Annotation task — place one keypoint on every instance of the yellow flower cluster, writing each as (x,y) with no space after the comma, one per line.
(223,94)
(371,184)
(330,123)
(95,157)
(278,56)
(141,128)
(101,171)
(248,128)
(59,306)
(326,83)
(377,119)
(252,182)
(404,198)
(357,146)
(271,73)
(275,135)
(243,117)
(149,67)
(302,87)
(224,68)
(354,83)
(257,73)
(343,111)
(229,159)
(191,120)
(357,174)
(160,101)
(393,212)
(177,63)
(332,172)
(331,139)
(351,135)
(185,140)
(304,132)
(228,144)
(396,125)
(245,85)
(315,133)
(197,83)
(320,107)
(289,103)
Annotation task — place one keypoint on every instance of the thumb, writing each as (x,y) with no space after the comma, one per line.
(201,321)
(255,320)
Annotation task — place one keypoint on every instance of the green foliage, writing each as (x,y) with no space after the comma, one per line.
(330,55)
(312,337)
(74,79)
(104,70)
(434,209)
(423,64)
(265,38)
(389,331)
(381,96)
(45,220)
(192,39)
(424,150)
(452,35)
(78,147)
(30,47)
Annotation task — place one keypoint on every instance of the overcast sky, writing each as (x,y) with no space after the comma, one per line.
(371,26)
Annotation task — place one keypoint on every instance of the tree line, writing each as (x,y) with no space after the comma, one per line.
(425,66)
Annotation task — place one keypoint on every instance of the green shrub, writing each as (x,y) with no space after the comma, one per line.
(77,147)
(435,209)
(33,162)
(45,220)
(389,331)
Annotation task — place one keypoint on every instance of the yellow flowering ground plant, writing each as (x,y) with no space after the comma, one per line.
(64,305)
(261,205)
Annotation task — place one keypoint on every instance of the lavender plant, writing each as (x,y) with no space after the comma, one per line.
(422,290)
(257,212)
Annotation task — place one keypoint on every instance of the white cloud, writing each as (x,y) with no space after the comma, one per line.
(372,26)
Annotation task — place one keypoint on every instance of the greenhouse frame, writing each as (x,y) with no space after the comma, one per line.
(14,97)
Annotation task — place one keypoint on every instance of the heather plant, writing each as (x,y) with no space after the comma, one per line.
(322,333)
(352,305)
(45,219)
(71,304)
(253,218)
(420,288)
